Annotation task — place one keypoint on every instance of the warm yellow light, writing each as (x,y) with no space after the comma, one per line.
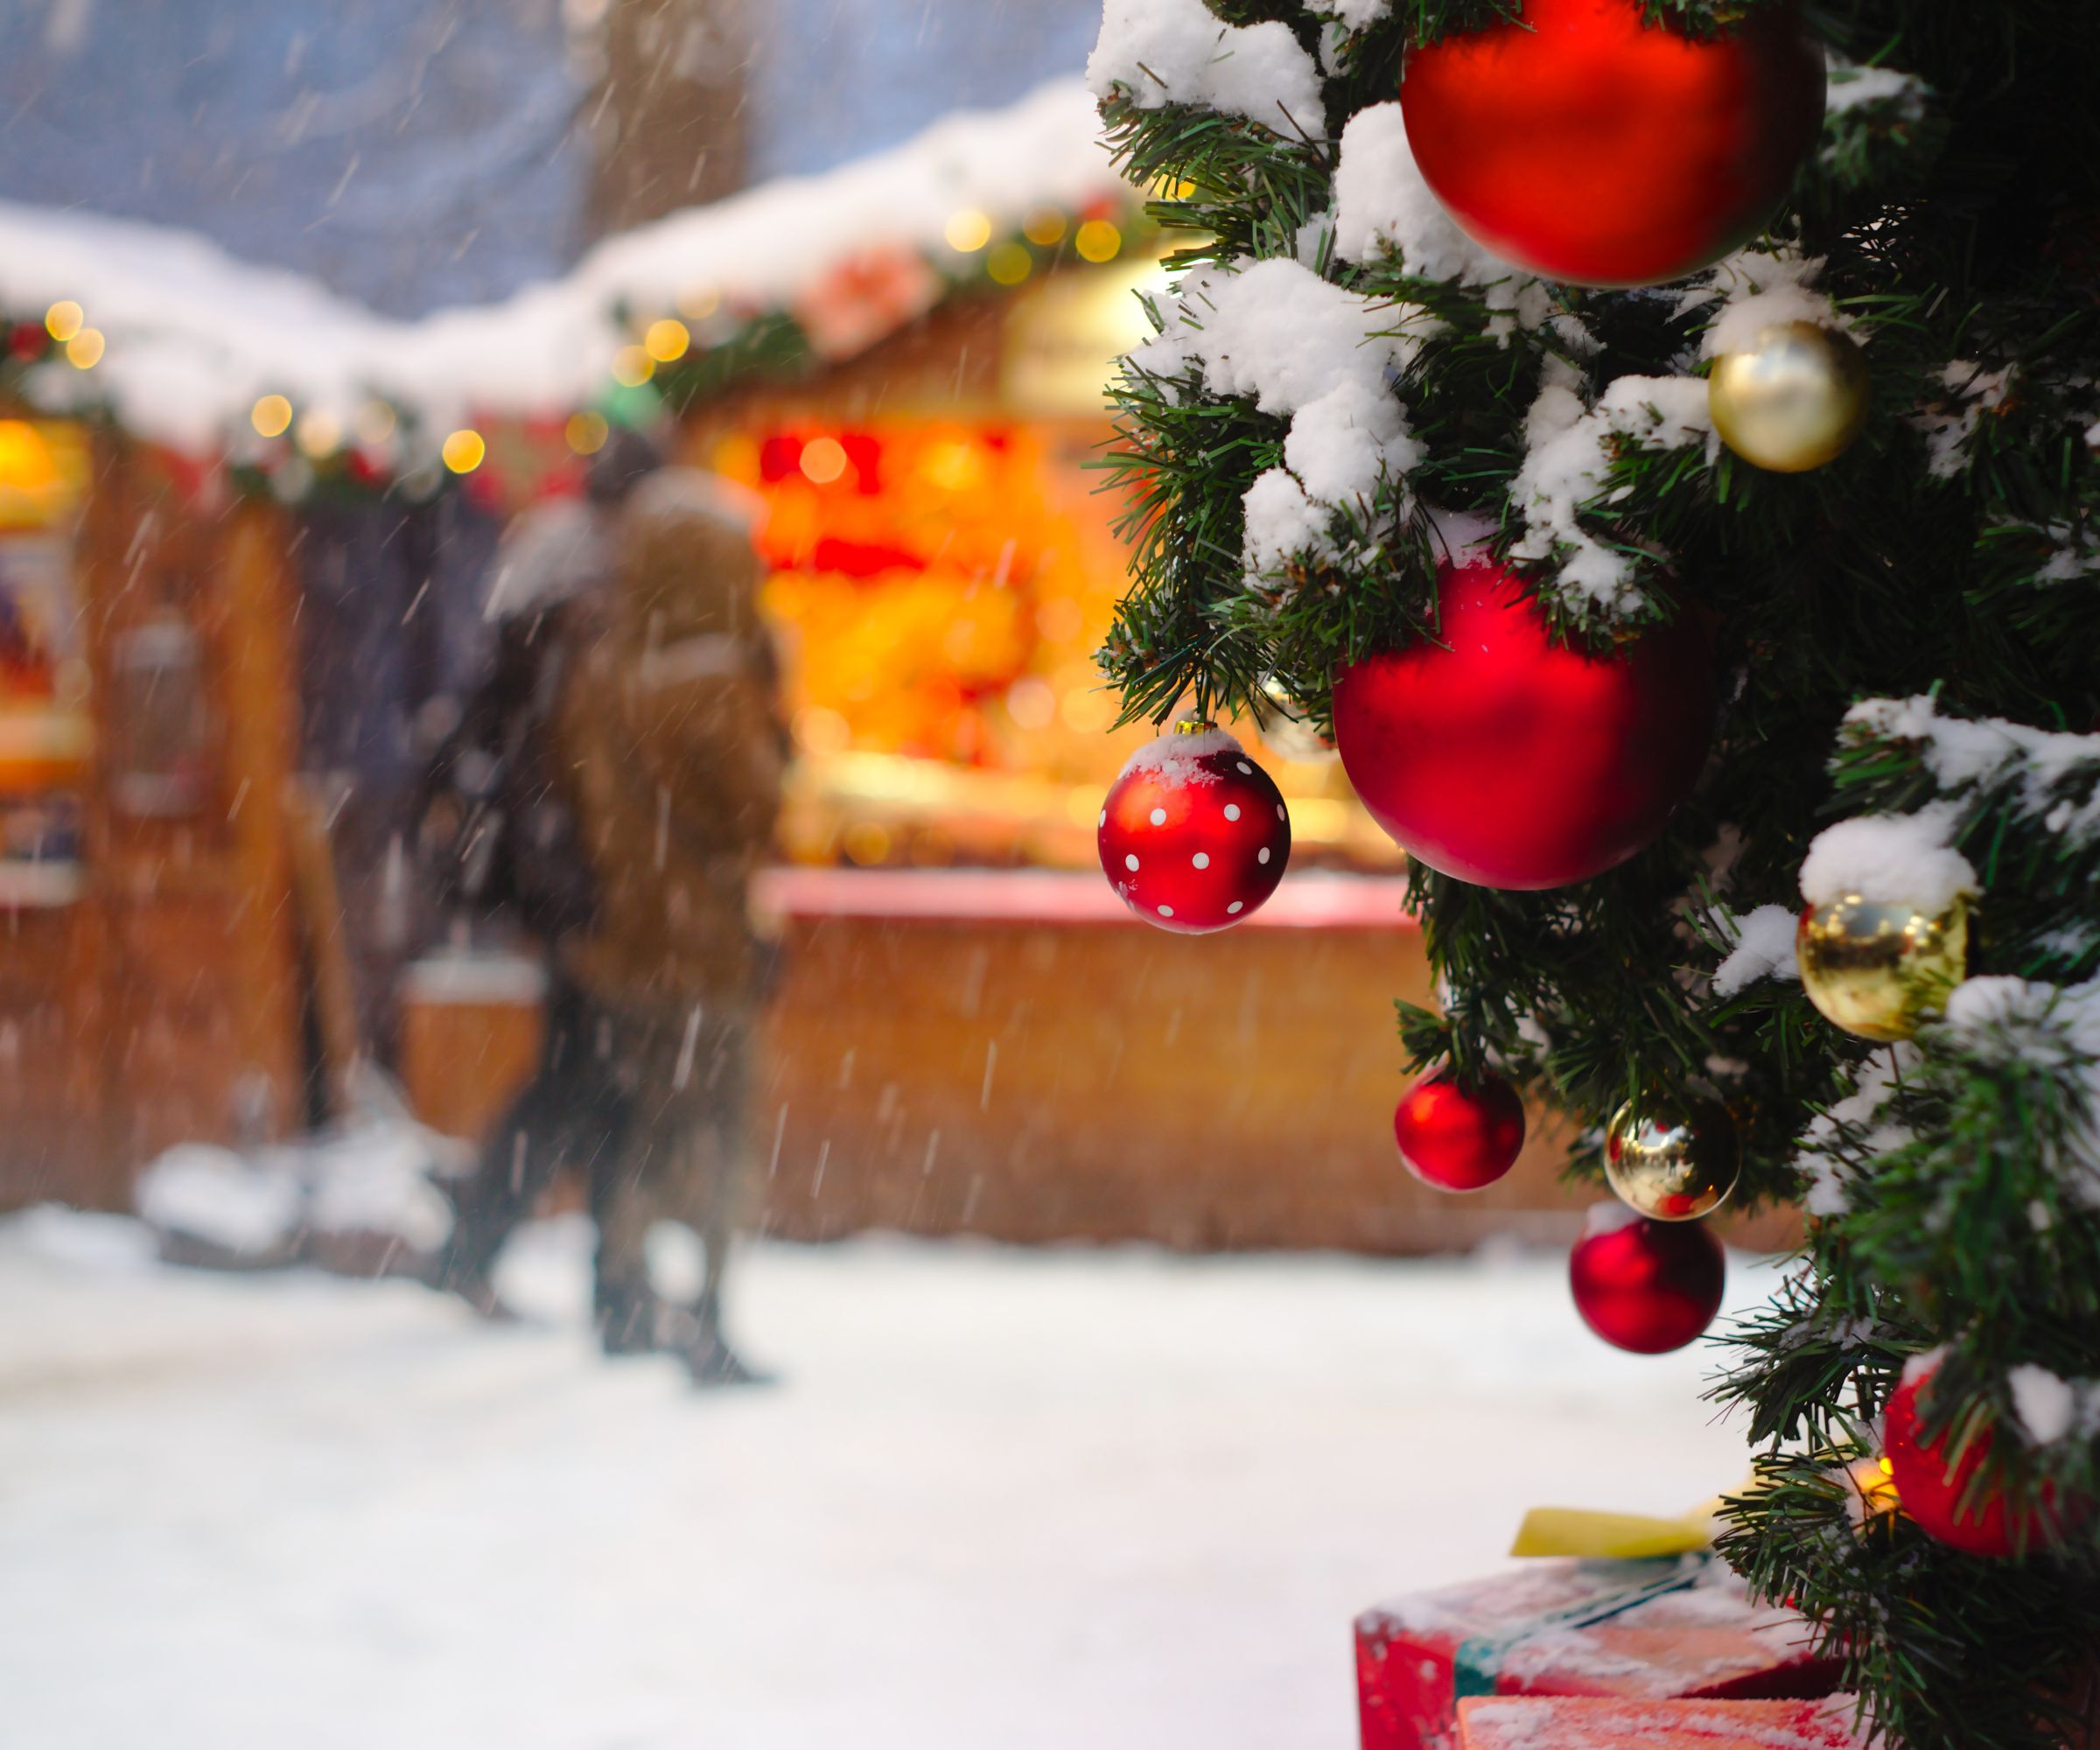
(823,459)
(667,341)
(632,366)
(26,463)
(318,433)
(464,450)
(1031,703)
(271,415)
(1008,264)
(586,433)
(374,422)
(64,319)
(84,351)
(820,730)
(955,466)
(1044,227)
(969,231)
(697,303)
(1098,241)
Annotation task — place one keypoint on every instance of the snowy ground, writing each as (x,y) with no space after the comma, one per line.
(1001,1499)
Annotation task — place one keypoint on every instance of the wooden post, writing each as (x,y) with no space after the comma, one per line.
(261,694)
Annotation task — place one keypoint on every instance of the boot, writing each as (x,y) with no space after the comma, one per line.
(626,1317)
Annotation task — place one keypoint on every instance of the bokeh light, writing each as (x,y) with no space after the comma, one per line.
(271,415)
(586,433)
(969,231)
(84,351)
(667,341)
(64,319)
(464,450)
(1098,241)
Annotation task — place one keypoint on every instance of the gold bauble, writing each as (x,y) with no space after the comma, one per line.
(1792,400)
(1880,970)
(1673,1165)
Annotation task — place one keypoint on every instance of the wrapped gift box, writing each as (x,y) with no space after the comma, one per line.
(1647,1630)
(1592,1723)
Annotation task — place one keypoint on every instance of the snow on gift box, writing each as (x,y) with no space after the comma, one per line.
(1644,1630)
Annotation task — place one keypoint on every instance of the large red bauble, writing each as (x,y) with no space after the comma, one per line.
(1583,145)
(1459,1138)
(1930,1489)
(1644,1286)
(1193,835)
(1509,760)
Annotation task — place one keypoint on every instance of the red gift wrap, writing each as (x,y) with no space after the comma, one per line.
(1647,1630)
(1592,1723)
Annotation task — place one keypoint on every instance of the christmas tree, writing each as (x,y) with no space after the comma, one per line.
(1654,439)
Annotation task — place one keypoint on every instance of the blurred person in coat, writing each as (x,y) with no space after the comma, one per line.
(619,779)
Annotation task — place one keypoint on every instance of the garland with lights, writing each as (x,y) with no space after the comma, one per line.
(1583,492)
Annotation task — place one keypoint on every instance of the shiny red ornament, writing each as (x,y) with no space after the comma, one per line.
(1500,757)
(1931,1491)
(1193,835)
(1643,1285)
(1584,145)
(1456,1138)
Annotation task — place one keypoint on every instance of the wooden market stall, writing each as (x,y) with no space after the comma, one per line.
(148,992)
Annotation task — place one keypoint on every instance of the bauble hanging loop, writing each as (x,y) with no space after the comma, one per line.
(1792,400)
(1673,1164)
(1193,836)
(1882,970)
(1582,143)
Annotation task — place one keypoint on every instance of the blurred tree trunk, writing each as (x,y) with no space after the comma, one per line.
(667,120)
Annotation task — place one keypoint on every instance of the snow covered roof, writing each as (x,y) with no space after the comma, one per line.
(193,337)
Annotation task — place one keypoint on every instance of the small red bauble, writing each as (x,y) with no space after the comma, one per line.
(1193,835)
(1647,1286)
(1931,1492)
(1509,760)
(1584,145)
(1459,1138)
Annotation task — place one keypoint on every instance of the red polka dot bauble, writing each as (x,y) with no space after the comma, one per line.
(1193,835)
(1643,1285)
(1458,1137)
(1496,755)
(1933,1491)
(1583,143)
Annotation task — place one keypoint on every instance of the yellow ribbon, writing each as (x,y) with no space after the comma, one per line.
(1579,1532)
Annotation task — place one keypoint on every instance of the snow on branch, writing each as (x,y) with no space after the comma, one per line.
(2050,777)
(1890,860)
(1299,345)
(1160,52)
(1382,207)
(1764,948)
(1568,466)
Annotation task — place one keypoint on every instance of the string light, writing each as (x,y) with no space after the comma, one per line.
(632,366)
(64,319)
(586,433)
(318,433)
(272,416)
(667,341)
(968,231)
(1045,228)
(1098,241)
(1008,264)
(823,460)
(464,450)
(84,350)
(375,423)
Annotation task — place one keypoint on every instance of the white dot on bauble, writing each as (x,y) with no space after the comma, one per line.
(1233,910)
(1131,862)
(1245,767)
(1202,860)
(1280,812)
(1232,811)
(1104,816)
(1159,817)
(1167,911)
(1263,858)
